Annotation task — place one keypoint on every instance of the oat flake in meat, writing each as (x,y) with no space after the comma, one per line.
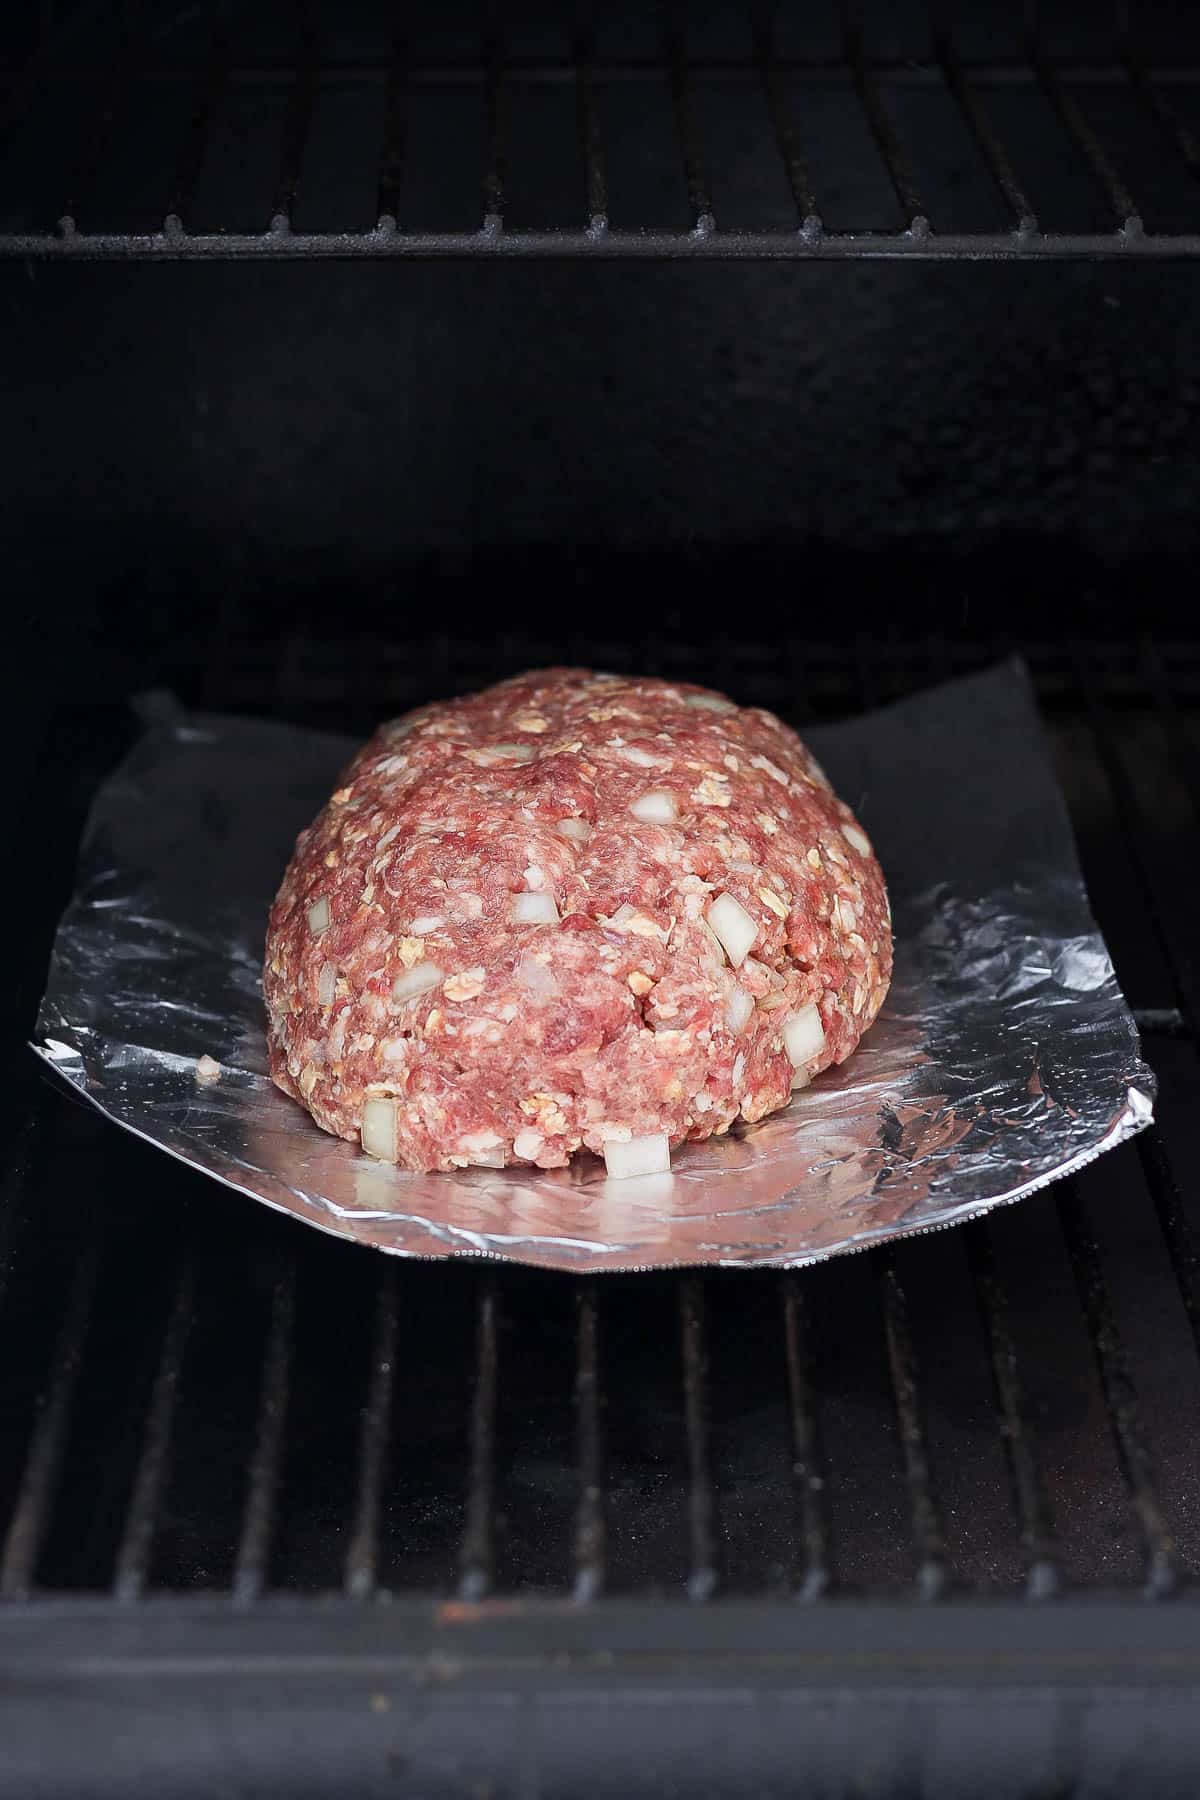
(573,911)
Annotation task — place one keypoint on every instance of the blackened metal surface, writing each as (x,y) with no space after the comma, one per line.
(939,1703)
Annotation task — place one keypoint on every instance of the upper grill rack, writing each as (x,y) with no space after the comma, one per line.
(937,155)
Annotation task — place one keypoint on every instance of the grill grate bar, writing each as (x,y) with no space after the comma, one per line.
(27,1526)
(254,1547)
(786,139)
(100,137)
(1176,1227)
(1161,111)
(495,179)
(297,118)
(362,1559)
(882,130)
(1074,123)
(27,1140)
(1033,1509)
(590,142)
(209,89)
(926,1525)
(651,245)
(1120,1394)
(22,83)
(687,128)
(727,71)
(395,129)
(807,1464)
(478,1556)
(982,130)
(589,1516)
(702,1579)
(1181,747)
(1185,979)
(150,1481)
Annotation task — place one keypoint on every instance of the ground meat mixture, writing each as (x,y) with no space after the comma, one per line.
(573,911)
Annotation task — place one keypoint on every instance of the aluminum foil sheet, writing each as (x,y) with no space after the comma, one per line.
(1004,1058)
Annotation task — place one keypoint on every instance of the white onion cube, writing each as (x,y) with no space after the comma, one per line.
(379,1129)
(534,909)
(803,1035)
(417,980)
(734,927)
(577,829)
(709,703)
(655,808)
(738,1008)
(639,1156)
(319,916)
(859,839)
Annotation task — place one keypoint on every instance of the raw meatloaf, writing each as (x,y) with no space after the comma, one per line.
(574,910)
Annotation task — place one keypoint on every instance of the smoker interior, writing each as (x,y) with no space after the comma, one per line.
(277,1514)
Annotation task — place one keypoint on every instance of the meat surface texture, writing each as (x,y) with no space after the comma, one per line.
(571,911)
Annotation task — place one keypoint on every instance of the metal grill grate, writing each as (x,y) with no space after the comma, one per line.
(167,143)
(214,1401)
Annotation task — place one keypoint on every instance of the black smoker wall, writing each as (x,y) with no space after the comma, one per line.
(940,441)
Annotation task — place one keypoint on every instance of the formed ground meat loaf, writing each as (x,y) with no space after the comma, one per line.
(574,910)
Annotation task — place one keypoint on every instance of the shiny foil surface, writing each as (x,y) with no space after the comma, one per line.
(1004,1058)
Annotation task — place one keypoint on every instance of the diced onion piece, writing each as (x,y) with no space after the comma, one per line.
(642,758)
(639,1156)
(578,829)
(416,981)
(709,703)
(319,916)
(379,1129)
(515,752)
(424,923)
(738,1008)
(533,909)
(655,808)
(483,1149)
(739,1069)
(734,926)
(528,1144)
(327,983)
(859,839)
(803,1036)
